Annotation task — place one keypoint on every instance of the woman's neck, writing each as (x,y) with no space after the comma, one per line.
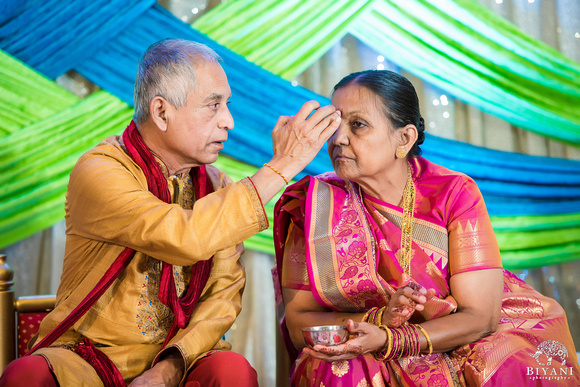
(389,186)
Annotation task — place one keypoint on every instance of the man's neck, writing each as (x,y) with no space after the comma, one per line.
(149,135)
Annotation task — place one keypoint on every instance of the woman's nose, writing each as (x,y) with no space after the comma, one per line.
(340,137)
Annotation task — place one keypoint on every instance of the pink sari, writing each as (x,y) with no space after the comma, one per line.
(344,249)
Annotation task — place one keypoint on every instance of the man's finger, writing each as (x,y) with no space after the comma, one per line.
(306,109)
(331,128)
(321,113)
(282,121)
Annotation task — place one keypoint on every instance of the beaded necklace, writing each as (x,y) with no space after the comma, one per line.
(408,204)
(407,226)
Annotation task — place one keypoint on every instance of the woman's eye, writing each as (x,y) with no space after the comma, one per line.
(357,124)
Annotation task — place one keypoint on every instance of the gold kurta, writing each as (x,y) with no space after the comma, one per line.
(108,208)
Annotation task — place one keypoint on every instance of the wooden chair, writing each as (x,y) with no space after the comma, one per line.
(20,317)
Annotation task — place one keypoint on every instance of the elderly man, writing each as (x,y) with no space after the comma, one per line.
(152,279)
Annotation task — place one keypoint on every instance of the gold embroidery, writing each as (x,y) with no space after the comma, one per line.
(362,383)
(384,246)
(153,317)
(340,368)
(260,212)
(378,380)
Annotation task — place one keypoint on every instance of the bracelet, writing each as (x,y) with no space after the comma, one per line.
(385,355)
(429,343)
(275,170)
(368,314)
(379,316)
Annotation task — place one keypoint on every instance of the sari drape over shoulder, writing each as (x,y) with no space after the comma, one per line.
(343,246)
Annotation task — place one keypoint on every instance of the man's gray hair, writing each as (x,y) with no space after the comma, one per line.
(168,69)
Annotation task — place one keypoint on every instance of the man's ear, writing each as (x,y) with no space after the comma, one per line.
(158,109)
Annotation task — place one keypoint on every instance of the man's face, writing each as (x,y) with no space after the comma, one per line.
(196,132)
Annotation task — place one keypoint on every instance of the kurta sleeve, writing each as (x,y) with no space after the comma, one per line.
(472,242)
(110,197)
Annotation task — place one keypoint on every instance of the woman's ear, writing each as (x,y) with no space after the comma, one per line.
(159,110)
(408,136)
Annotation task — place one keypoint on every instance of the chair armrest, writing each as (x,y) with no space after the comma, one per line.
(29,304)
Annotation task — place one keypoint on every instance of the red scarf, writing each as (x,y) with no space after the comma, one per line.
(182,308)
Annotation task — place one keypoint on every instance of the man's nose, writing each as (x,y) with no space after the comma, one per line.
(226,121)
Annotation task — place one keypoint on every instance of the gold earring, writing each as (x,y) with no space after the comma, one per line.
(401,153)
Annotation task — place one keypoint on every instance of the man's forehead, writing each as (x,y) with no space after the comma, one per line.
(212,82)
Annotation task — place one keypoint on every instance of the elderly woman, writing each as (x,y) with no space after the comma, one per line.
(402,252)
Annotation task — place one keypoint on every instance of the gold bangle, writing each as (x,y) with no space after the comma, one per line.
(367,314)
(275,170)
(389,344)
(379,316)
(429,343)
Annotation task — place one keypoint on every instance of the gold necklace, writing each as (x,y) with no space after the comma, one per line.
(407,225)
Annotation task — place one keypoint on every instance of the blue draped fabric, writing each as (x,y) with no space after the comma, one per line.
(258,97)
(513,184)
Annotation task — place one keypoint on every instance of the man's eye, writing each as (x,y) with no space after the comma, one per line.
(214,105)
(357,124)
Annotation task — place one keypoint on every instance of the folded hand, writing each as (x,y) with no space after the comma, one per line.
(404,302)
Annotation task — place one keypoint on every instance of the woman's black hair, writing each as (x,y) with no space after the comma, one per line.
(400,101)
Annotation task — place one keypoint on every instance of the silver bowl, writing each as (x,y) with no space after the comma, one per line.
(325,335)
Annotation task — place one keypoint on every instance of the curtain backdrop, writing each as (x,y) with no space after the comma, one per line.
(544,192)
(453,63)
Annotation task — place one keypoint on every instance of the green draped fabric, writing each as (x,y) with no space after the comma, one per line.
(44,128)
(42,98)
(37,159)
(284,37)
(529,241)
(457,45)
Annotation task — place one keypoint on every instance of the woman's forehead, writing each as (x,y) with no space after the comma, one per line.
(353,98)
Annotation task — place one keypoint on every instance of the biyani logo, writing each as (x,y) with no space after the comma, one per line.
(549,352)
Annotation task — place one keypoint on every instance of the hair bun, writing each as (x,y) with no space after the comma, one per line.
(421,131)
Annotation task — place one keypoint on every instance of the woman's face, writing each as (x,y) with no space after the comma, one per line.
(363,148)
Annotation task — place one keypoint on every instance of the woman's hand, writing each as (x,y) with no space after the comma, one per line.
(406,300)
(367,338)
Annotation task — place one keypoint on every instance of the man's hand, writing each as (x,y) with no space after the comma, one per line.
(166,373)
(296,140)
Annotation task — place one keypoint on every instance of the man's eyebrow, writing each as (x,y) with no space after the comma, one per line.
(214,97)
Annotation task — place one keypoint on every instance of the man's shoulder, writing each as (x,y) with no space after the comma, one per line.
(110,147)
(109,153)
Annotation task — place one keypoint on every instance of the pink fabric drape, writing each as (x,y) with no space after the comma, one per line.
(351,245)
